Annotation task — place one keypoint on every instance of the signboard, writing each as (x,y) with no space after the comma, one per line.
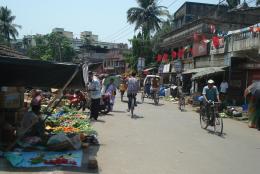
(140,64)
(220,49)
(166,68)
(199,49)
(177,66)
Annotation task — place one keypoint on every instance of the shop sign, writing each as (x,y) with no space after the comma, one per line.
(178,66)
(199,49)
(140,64)
(166,68)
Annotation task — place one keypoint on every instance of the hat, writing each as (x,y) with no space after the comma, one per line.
(210,81)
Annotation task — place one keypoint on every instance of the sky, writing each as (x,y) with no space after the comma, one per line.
(105,18)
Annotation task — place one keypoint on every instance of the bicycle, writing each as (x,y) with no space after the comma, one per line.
(216,121)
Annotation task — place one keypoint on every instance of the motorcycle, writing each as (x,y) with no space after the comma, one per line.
(77,100)
(105,104)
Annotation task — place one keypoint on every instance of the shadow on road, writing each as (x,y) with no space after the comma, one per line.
(137,117)
(223,135)
(119,111)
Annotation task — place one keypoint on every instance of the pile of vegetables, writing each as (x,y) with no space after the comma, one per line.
(70,121)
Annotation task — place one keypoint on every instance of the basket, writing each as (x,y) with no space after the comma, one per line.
(65,145)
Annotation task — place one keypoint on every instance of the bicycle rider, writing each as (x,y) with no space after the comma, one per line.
(133,87)
(210,93)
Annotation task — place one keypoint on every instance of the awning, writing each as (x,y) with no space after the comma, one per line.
(191,71)
(201,72)
(36,73)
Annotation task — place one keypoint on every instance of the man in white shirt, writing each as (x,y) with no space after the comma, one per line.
(95,94)
(223,87)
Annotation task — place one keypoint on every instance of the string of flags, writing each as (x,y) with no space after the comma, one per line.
(217,40)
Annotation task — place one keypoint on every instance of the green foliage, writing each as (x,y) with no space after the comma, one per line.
(147,16)
(233,3)
(52,47)
(8,30)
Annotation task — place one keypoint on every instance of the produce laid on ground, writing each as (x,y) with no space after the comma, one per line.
(69,121)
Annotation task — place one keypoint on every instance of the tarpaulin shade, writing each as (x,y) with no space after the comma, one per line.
(36,73)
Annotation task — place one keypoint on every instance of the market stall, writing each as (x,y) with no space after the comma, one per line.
(64,129)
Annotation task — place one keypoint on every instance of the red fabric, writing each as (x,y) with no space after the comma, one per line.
(181,53)
(215,41)
(165,57)
(196,37)
(159,58)
(174,54)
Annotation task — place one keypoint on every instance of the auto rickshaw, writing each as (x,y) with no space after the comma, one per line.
(151,87)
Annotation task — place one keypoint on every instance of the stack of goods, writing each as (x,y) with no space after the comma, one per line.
(69,121)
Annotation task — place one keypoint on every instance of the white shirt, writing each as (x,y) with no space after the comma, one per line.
(223,87)
(94,86)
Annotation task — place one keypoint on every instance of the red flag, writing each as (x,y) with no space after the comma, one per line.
(165,57)
(215,41)
(180,53)
(174,54)
(159,58)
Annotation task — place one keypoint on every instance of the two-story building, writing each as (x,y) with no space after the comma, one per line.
(195,25)
(114,62)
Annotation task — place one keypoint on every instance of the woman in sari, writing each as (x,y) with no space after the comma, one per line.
(254,104)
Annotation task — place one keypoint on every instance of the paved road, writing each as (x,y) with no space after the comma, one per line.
(163,140)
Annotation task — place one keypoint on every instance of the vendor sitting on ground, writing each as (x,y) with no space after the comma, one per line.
(36,101)
(32,118)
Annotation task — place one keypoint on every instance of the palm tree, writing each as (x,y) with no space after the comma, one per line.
(147,16)
(7,28)
(233,3)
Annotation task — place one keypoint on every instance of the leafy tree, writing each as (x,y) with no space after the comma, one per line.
(147,16)
(8,30)
(52,47)
(233,3)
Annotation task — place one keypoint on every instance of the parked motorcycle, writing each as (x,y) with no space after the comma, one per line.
(77,100)
(105,104)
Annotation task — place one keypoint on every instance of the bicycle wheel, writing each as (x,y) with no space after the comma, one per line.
(182,106)
(132,107)
(218,125)
(204,121)
(122,96)
(156,98)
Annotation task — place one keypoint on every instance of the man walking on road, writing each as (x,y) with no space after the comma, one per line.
(95,94)
(132,90)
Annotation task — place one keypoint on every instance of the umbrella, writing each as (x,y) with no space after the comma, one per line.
(116,80)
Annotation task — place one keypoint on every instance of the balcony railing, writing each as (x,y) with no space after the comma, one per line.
(244,41)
